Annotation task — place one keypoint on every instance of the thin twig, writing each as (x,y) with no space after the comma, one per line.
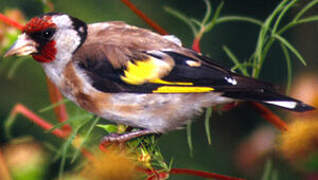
(144,17)
(60,110)
(270,116)
(10,22)
(4,171)
(202,174)
(20,109)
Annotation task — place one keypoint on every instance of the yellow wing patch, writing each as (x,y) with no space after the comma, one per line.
(152,70)
(182,89)
(140,72)
(149,70)
(160,81)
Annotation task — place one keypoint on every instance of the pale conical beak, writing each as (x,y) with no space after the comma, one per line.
(22,47)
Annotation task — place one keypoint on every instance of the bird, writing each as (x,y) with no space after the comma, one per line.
(134,76)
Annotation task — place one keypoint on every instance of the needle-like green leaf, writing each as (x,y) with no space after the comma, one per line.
(85,138)
(235,60)
(304,10)
(291,48)
(208,115)
(189,138)
(289,67)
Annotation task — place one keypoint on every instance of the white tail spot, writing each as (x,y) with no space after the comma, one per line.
(286,104)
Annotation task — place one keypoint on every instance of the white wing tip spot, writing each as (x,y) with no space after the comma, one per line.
(193,63)
(231,80)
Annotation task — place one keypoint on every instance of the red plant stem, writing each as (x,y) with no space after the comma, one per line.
(270,116)
(196,45)
(191,172)
(202,174)
(10,22)
(4,171)
(159,176)
(102,147)
(144,17)
(60,110)
(197,39)
(21,109)
(87,154)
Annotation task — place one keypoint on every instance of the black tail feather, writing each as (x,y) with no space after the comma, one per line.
(254,90)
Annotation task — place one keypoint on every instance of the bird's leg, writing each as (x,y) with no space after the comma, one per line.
(121,138)
(21,109)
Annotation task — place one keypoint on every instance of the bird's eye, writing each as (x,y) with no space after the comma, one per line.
(48,33)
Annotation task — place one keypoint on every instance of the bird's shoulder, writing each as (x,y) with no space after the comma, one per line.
(119,43)
(118,33)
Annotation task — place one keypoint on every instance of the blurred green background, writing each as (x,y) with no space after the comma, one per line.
(229,129)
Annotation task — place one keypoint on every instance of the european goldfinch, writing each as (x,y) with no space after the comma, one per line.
(134,76)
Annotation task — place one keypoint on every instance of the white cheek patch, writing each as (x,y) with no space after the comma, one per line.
(67,40)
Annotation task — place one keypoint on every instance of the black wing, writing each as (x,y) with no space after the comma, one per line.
(189,73)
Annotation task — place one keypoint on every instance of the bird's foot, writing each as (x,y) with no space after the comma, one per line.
(122,138)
